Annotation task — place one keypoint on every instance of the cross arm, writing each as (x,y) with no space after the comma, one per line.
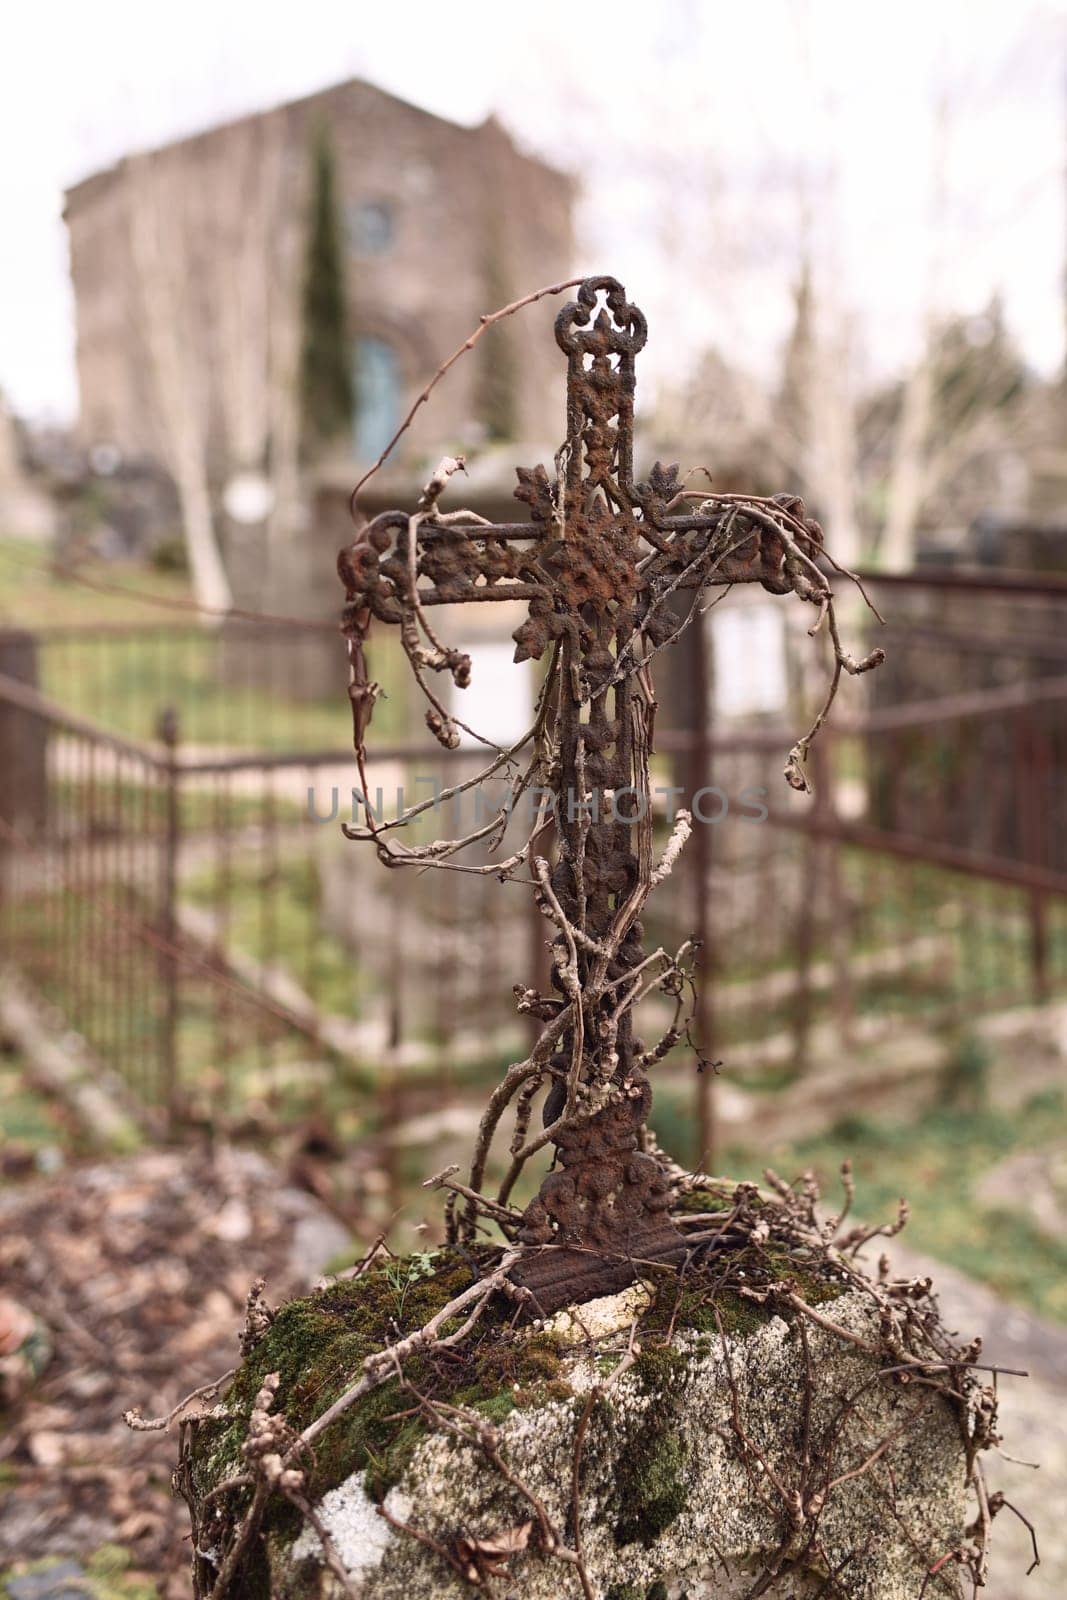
(453,565)
(729,538)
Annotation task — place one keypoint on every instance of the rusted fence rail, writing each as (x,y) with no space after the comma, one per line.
(244,684)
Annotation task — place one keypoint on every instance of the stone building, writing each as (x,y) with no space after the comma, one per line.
(431,209)
(187,262)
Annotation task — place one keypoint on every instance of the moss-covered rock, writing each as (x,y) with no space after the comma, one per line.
(734,1437)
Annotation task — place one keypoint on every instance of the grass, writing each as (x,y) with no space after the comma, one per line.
(235,1059)
(233,1056)
(32,595)
(981,960)
(111,808)
(125,682)
(273,913)
(229,689)
(938,1163)
(35,1130)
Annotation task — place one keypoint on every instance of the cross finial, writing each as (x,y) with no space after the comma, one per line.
(601,379)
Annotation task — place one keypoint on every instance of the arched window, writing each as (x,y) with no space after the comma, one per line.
(370,227)
(377,397)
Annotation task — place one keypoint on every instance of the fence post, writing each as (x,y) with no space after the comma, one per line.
(169,730)
(837,892)
(691,697)
(805,939)
(1033,756)
(814,847)
(704,1017)
(23,740)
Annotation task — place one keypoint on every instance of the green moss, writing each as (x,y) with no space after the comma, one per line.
(739,1317)
(650,1489)
(388,1449)
(698,1201)
(317,1346)
(497,1407)
(651,1479)
(715,1292)
(539,1359)
(512,1374)
(660,1370)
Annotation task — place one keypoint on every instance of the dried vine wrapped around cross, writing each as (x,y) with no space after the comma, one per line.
(612,570)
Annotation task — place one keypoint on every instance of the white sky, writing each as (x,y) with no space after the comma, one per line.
(705,132)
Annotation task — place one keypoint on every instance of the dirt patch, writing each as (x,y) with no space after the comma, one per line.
(139,1268)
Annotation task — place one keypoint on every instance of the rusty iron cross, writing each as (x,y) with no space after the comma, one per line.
(600,561)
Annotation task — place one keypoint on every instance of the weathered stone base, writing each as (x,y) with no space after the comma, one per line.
(715,1458)
(665,1496)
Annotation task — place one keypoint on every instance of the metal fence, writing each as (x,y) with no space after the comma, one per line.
(244,685)
(924,879)
(199,920)
(184,899)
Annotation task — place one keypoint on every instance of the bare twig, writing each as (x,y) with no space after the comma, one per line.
(484,324)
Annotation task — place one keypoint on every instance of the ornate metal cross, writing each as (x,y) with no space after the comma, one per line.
(600,562)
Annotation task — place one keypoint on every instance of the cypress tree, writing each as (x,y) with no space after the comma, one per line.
(498,377)
(326,378)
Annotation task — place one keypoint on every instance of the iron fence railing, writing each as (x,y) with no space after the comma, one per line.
(188,905)
(241,685)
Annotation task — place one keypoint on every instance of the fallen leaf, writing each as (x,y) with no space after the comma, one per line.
(47,1449)
(16,1325)
(489,1557)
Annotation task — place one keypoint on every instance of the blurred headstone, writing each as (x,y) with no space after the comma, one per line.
(497,701)
(750,661)
(26,512)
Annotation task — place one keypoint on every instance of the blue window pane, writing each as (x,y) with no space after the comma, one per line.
(377,397)
(370,227)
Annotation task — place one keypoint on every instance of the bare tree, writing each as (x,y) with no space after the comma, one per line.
(214,254)
(255,284)
(778,215)
(244,206)
(160,199)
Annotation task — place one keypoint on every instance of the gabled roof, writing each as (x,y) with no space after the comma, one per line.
(490,125)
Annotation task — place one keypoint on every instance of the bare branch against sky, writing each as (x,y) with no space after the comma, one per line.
(698,118)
